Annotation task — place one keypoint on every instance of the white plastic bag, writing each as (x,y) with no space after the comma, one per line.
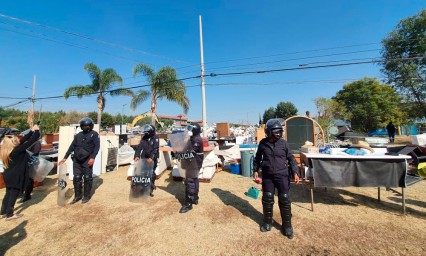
(131,170)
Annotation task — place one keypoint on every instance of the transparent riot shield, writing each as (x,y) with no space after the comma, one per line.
(140,184)
(186,156)
(62,184)
(39,168)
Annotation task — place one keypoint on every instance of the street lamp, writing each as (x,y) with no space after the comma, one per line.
(122,109)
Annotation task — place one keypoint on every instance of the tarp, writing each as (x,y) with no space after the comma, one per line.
(359,173)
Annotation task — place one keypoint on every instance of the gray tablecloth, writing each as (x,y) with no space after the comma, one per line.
(359,173)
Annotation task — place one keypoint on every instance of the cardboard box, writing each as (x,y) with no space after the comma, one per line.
(260,134)
(223,130)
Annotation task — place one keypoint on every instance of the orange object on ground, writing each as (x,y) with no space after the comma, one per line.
(37,184)
(2,185)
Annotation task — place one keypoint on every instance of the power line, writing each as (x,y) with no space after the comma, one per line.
(244,73)
(309,67)
(88,38)
(17,103)
(43,37)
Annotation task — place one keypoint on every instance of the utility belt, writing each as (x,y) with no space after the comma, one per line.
(81,154)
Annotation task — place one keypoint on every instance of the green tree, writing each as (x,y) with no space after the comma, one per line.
(328,110)
(268,114)
(72,117)
(166,123)
(164,85)
(285,110)
(405,62)
(370,104)
(50,122)
(108,120)
(102,82)
(19,123)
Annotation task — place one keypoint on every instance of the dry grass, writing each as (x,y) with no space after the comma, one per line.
(347,221)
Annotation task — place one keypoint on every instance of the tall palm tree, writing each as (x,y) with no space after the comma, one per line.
(102,81)
(164,85)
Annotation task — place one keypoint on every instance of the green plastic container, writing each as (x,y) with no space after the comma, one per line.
(247,163)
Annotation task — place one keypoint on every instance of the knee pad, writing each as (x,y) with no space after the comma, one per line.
(77,178)
(284,198)
(268,197)
(88,177)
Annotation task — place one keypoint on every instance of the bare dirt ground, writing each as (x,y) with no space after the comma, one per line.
(346,221)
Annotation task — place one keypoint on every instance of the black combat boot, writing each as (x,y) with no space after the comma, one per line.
(78,186)
(188,203)
(87,190)
(285,210)
(268,205)
(196,197)
(153,187)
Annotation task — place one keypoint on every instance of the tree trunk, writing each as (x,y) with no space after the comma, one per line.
(100,103)
(153,108)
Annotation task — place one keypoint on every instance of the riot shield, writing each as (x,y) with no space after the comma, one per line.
(140,184)
(186,156)
(62,184)
(39,168)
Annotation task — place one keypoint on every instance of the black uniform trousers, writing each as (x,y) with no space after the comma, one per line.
(280,181)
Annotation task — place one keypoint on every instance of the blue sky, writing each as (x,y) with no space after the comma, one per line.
(239,36)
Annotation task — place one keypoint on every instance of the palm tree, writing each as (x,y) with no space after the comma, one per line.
(102,81)
(164,85)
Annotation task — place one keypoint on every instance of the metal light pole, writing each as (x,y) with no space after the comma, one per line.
(121,127)
(203,90)
(122,109)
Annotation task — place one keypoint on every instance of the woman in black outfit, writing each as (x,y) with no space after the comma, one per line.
(15,160)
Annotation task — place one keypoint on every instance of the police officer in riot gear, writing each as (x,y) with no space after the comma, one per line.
(84,149)
(192,184)
(278,164)
(149,149)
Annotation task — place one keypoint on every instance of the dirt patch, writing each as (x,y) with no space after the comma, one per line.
(345,221)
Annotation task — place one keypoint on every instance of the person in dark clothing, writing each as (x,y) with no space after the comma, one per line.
(192,184)
(84,148)
(149,149)
(15,160)
(35,149)
(391,132)
(278,164)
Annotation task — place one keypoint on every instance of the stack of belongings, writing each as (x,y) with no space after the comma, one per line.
(359,148)
(309,147)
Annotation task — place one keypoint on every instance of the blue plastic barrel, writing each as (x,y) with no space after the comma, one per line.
(235,168)
(247,162)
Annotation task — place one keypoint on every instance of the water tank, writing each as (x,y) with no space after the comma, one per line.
(247,162)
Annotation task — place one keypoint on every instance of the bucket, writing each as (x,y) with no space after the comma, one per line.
(247,163)
(235,168)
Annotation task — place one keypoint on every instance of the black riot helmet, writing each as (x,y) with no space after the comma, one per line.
(273,125)
(86,124)
(148,130)
(194,128)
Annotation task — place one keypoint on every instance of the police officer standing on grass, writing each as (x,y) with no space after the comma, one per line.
(149,149)
(192,184)
(278,164)
(84,147)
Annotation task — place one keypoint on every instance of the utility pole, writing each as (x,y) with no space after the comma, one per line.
(33,100)
(122,109)
(203,90)
(121,128)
